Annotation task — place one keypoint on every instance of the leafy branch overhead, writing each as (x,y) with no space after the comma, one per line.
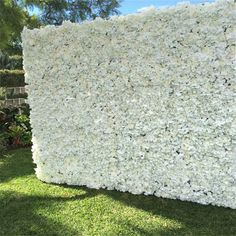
(15,14)
(13,17)
(55,11)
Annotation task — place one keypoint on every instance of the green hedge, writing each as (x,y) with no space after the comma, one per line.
(2,93)
(7,73)
(19,95)
(12,78)
(15,62)
(11,93)
(11,62)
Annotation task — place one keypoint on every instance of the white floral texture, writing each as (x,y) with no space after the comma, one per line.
(143,103)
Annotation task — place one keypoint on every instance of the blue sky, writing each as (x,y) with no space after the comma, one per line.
(131,6)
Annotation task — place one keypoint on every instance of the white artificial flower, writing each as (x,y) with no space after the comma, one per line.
(143,103)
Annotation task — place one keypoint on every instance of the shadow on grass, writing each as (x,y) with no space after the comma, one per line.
(20,214)
(15,163)
(197,219)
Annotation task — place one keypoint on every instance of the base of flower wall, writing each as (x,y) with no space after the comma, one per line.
(142,103)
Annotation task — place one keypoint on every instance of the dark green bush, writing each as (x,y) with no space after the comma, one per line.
(15,125)
(10,62)
(2,143)
(19,134)
(12,78)
(2,93)
(4,60)
(19,95)
(15,62)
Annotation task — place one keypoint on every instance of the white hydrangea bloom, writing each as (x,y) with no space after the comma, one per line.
(143,103)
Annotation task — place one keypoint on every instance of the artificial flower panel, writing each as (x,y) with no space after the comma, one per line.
(143,103)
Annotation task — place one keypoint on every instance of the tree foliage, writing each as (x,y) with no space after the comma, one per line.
(13,17)
(55,11)
(11,20)
(15,14)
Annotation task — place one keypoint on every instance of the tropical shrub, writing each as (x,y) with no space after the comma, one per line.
(10,62)
(15,126)
(2,143)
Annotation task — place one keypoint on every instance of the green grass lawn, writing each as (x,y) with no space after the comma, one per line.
(30,207)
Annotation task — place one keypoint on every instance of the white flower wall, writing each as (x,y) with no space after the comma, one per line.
(143,103)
